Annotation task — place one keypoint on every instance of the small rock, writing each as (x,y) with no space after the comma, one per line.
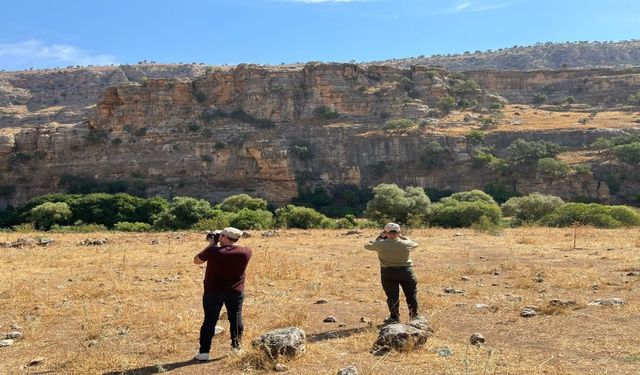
(342,325)
(154,242)
(36,361)
(496,273)
(279,367)
(528,312)
(270,233)
(450,290)
(45,241)
(608,301)
(400,337)
(538,279)
(15,335)
(288,342)
(94,242)
(219,330)
(7,342)
(380,350)
(633,274)
(91,343)
(352,232)
(477,339)
(443,352)
(321,301)
(329,319)
(457,234)
(465,278)
(349,370)
(562,303)
(123,331)
(480,306)
(421,323)
(15,327)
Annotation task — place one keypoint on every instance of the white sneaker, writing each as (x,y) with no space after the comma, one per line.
(201,357)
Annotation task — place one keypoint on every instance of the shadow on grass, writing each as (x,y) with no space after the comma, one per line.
(336,334)
(160,368)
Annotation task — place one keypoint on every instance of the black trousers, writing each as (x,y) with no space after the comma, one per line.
(392,279)
(212,304)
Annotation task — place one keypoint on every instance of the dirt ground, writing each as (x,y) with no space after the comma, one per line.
(133,306)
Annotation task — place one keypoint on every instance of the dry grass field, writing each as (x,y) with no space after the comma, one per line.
(133,306)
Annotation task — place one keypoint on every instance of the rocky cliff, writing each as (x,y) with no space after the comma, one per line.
(211,132)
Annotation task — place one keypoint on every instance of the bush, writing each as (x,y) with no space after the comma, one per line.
(399,124)
(447,103)
(392,203)
(540,99)
(434,154)
(592,214)
(238,202)
(292,216)
(531,208)
(183,213)
(523,153)
(326,112)
(628,153)
(472,196)
(336,201)
(79,227)
(347,222)
(553,168)
(452,213)
(302,151)
(634,98)
(219,220)
(252,219)
(475,138)
(125,226)
(48,214)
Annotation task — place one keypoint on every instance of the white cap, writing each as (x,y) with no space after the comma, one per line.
(232,233)
(392,227)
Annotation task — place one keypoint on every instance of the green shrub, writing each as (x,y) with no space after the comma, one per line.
(447,103)
(434,154)
(399,124)
(219,220)
(326,112)
(452,213)
(183,213)
(472,196)
(592,214)
(628,153)
(634,98)
(392,203)
(553,168)
(540,99)
(302,151)
(125,226)
(78,228)
(475,138)
(531,208)
(347,222)
(238,202)
(48,214)
(524,153)
(292,216)
(252,219)
(486,225)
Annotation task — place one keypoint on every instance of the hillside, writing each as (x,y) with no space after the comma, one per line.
(275,131)
(576,55)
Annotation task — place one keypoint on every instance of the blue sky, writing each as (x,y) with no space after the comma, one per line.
(47,33)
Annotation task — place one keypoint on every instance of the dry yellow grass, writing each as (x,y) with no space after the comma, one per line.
(140,302)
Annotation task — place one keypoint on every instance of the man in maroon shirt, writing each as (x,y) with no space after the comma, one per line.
(223,285)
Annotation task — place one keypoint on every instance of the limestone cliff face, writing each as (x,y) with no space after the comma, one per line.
(209,133)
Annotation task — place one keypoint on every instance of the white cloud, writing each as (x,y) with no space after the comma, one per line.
(477,6)
(38,54)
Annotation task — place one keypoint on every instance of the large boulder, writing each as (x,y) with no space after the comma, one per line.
(401,337)
(289,342)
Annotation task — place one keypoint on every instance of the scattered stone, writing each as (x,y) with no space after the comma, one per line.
(443,352)
(91,343)
(342,325)
(246,234)
(465,278)
(219,330)
(45,241)
(562,303)
(380,351)
(608,301)
(352,232)
(594,287)
(19,243)
(421,323)
(450,290)
(513,298)
(480,306)
(349,370)
(538,279)
(528,312)
(123,331)
(15,335)
(154,242)
(279,367)
(633,273)
(94,242)
(321,301)
(7,342)
(329,319)
(36,361)
(477,339)
(400,337)
(15,327)
(288,342)
(270,233)
(457,234)
(496,273)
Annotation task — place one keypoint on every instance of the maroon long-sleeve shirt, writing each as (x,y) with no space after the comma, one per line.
(226,268)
